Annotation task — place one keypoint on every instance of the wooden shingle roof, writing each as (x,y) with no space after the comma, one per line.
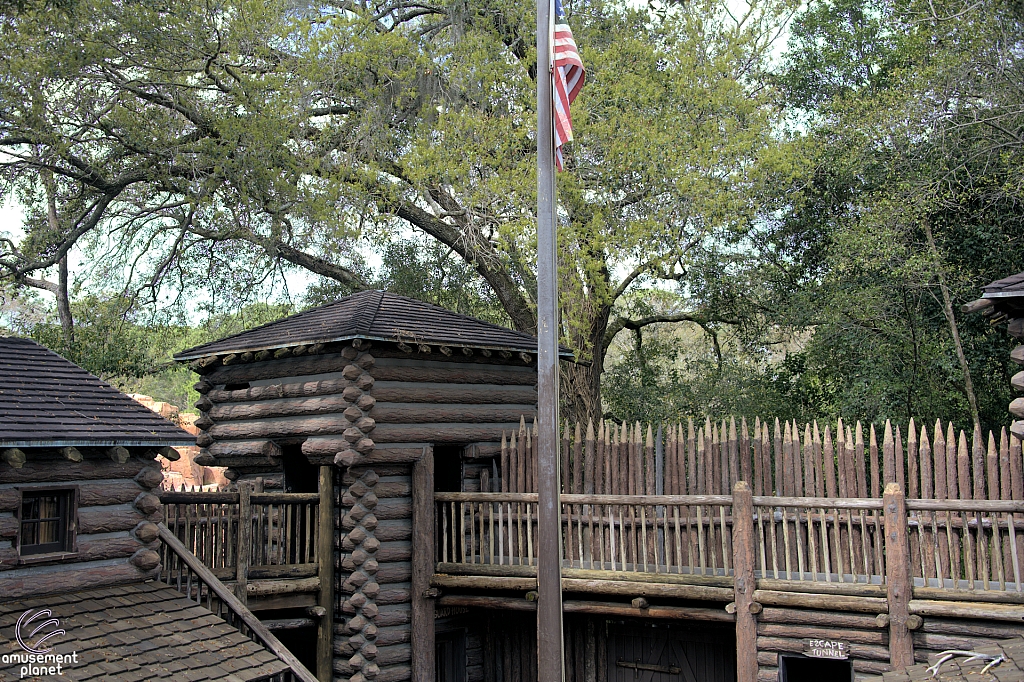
(140,632)
(375,316)
(47,401)
(1007,287)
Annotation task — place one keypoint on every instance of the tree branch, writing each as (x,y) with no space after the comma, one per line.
(621,323)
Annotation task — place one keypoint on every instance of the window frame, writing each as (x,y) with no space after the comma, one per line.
(68,546)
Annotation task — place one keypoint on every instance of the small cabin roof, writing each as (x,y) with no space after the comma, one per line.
(1008,287)
(48,401)
(374,316)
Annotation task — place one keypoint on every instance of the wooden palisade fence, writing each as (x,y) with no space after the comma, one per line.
(930,526)
(787,460)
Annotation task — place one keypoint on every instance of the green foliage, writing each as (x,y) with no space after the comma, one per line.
(224,143)
(431,272)
(132,352)
(904,114)
(764,231)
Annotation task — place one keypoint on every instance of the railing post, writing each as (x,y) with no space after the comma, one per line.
(244,542)
(743,582)
(325,559)
(899,584)
(423,567)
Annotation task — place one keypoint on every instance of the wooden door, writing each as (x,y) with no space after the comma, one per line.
(642,653)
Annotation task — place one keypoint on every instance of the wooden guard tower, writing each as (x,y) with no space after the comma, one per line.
(384,400)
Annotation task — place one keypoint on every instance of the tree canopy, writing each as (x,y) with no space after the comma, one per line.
(775,211)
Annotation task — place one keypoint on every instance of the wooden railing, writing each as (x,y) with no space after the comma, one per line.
(951,544)
(183,571)
(655,533)
(281,531)
(967,545)
(491,528)
(819,539)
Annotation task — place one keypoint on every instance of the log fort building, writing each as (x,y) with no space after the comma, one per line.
(89,587)
(707,552)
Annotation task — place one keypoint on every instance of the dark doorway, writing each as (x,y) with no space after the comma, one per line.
(450,656)
(651,652)
(803,669)
(448,469)
(300,641)
(299,475)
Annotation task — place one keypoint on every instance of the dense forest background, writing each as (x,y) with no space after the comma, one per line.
(771,208)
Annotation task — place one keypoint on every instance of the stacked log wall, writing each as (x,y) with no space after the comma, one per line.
(942,634)
(782,631)
(116,534)
(459,400)
(381,403)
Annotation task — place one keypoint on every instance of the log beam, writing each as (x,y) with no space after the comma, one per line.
(743,563)
(71,577)
(325,555)
(14,457)
(118,454)
(423,567)
(899,583)
(825,602)
(589,607)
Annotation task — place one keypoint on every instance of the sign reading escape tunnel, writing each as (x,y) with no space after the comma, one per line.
(826,648)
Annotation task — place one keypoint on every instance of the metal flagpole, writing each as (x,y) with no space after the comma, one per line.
(549,525)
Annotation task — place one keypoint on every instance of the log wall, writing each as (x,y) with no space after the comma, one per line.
(353,405)
(116,537)
(782,631)
(941,634)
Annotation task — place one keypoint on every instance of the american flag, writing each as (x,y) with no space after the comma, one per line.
(568,80)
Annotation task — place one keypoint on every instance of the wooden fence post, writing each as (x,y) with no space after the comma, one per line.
(244,542)
(422,567)
(743,563)
(897,576)
(325,559)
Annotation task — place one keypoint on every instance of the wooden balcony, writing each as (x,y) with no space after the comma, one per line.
(834,554)
(271,551)
(278,566)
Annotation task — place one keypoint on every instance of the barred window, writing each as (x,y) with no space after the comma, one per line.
(47,521)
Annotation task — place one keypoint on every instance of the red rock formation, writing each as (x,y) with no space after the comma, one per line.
(184,471)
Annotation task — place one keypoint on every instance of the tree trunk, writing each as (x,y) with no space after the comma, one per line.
(947,309)
(67,323)
(581,383)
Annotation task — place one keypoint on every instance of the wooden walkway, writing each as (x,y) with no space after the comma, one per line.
(959,545)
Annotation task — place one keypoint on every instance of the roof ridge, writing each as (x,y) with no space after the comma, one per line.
(376,309)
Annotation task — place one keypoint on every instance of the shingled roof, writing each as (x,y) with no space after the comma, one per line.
(1007,287)
(47,401)
(140,632)
(376,316)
